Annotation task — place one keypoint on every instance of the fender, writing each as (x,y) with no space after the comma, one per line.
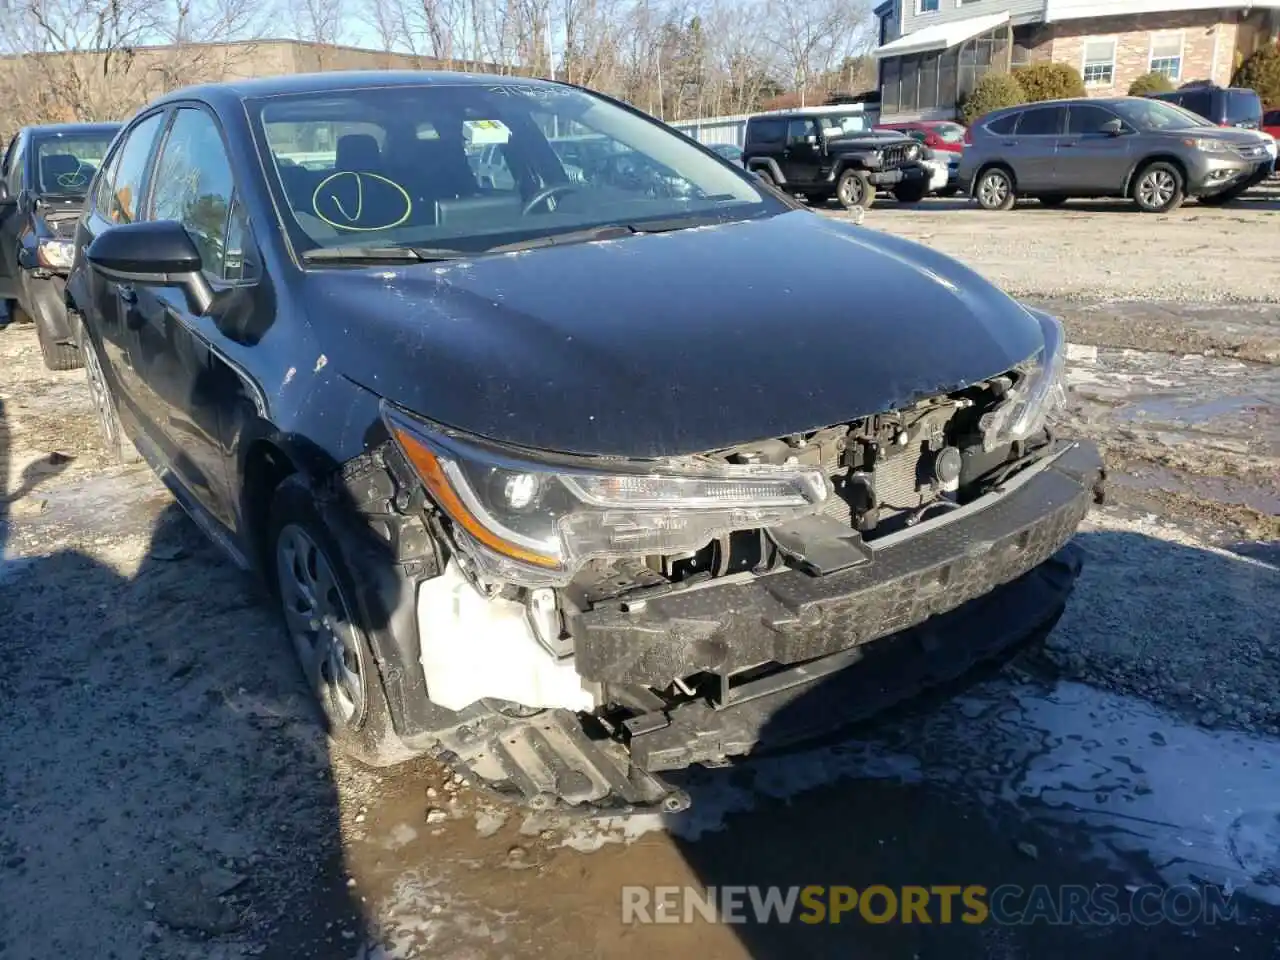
(769,164)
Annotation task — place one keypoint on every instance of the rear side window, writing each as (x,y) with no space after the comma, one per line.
(1005,124)
(1243,106)
(1271,118)
(1042,121)
(127,184)
(766,131)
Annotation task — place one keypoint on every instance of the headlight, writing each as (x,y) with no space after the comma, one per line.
(57,254)
(1039,393)
(535,520)
(1207,146)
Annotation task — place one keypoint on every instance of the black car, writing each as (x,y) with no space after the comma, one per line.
(575,481)
(820,154)
(43,178)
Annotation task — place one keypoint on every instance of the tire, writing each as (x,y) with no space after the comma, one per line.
(995,189)
(1158,187)
(854,189)
(910,193)
(119,447)
(57,356)
(316,597)
(1052,200)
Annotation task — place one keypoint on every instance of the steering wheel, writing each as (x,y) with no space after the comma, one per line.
(545,194)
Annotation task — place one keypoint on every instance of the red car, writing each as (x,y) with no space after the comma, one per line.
(1271,123)
(938,134)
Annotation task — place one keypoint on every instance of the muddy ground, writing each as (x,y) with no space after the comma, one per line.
(164,793)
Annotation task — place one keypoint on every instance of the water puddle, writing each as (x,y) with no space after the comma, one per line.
(1224,403)
(1107,772)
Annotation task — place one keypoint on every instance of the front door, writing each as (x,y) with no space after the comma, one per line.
(118,199)
(1091,161)
(169,345)
(1035,149)
(802,154)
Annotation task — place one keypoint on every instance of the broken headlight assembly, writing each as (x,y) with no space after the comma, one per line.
(533,519)
(55,254)
(1036,395)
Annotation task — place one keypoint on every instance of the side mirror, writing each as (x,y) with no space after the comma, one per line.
(811,139)
(1113,127)
(156,252)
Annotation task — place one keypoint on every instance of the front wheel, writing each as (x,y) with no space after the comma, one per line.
(855,189)
(317,601)
(57,356)
(1158,188)
(995,190)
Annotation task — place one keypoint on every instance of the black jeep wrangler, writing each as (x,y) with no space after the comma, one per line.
(818,154)
(43,180)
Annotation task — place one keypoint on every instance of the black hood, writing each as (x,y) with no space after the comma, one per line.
(676,343)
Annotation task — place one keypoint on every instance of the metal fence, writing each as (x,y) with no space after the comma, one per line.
(711,130)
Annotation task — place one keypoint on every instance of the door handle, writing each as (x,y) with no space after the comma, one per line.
(1008,143)
(1068,143)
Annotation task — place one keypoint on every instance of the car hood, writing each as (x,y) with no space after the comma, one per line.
(675,343)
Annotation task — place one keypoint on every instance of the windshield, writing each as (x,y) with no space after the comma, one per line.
(1158,115)
(66,164)
(835,125)
(949,132)
(468,167)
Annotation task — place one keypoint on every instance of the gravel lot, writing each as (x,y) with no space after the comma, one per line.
(164,792)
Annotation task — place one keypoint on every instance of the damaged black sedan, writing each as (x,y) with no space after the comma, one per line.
(570,477)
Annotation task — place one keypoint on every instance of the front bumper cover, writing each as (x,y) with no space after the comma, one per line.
(956,593)
(790,617)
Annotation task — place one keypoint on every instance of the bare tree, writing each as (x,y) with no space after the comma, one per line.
(812,36)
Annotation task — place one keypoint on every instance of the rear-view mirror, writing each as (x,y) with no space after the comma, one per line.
(156,252)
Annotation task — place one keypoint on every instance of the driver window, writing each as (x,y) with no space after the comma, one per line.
(193,185)
(799,131)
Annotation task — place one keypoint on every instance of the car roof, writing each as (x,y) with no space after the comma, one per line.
(72,128)
(339,80)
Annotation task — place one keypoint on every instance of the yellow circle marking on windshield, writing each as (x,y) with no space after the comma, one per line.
(73,178)
(352,216)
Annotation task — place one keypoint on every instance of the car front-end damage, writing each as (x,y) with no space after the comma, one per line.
(598,620)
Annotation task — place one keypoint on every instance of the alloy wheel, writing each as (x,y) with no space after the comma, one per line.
(320,625)
(994,189)
(850,191)
(1156,189)
(100,395)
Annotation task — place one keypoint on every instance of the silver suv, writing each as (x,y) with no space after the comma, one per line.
(1155,153)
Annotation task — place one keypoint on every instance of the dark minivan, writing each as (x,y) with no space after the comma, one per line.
(568,480)
(1223,106)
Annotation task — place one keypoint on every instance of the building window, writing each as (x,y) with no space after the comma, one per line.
(926,6)
(1166,54)
(1099,63)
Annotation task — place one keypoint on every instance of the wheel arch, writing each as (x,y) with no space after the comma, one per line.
(1146,161)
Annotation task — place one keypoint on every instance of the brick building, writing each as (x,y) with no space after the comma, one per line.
(932,52)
